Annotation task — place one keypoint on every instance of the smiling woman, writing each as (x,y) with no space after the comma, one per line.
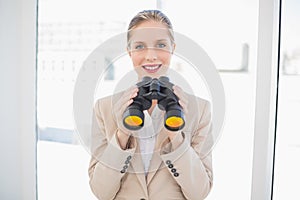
(136,164)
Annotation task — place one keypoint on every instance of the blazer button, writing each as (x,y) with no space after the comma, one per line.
(173,170)
(123,171)
(129,157)
(176,174)
(170,166)
(142,199)
(168,162)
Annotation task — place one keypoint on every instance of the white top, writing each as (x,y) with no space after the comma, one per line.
(147,135)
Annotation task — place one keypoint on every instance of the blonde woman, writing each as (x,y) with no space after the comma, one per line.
(152,163)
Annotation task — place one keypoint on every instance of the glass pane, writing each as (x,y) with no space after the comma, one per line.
(287,151)
(225,30)
(67,33)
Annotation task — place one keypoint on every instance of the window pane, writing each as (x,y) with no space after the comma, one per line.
(227,31)
(68,32)
(287,165)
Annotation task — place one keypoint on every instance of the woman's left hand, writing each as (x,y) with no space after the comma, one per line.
(182,96)
(183,102)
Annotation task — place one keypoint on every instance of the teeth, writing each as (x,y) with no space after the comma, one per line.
(151,67)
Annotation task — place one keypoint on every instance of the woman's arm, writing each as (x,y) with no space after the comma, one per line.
(189,165)
(106,167)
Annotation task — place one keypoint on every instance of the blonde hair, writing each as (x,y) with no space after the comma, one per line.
(148,15)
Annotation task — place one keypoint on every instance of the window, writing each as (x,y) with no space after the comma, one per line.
(227,32)
(67,33)
(286,169)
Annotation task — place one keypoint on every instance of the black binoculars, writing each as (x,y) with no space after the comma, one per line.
(149,89)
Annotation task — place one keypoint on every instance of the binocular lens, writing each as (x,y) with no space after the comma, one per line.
(174,122)
(133,121)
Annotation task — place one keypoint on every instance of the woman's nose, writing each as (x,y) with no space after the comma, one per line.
(151,54)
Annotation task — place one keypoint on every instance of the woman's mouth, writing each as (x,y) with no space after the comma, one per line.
(151,68)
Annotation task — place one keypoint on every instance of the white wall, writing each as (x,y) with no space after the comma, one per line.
(17,100)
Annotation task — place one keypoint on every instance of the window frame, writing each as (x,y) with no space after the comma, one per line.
(265,111)
(266,98)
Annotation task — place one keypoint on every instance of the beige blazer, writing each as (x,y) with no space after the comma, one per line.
(181,173)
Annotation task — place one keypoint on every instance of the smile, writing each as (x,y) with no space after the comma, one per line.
(151,68)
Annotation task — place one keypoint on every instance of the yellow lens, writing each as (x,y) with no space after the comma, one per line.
(133,120)
(174,122)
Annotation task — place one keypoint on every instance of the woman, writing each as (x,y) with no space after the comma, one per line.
(152,163)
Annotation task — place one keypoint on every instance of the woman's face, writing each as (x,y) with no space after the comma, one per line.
(150,49)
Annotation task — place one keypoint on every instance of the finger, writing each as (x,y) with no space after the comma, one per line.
(134,93)
(130,93)
(119,111)
(184,106)
(122,105)
(125,105)
(126,96)
(180,94)
(123,100)
(183,100)
(177,90)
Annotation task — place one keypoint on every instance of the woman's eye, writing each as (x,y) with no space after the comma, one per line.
(140,46)
(161,45)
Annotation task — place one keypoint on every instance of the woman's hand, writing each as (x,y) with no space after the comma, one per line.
(119,107)
(182,96)
(175,136)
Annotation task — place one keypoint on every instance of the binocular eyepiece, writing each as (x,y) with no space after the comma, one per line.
(149,89)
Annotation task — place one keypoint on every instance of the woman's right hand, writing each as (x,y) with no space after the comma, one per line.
(119,107)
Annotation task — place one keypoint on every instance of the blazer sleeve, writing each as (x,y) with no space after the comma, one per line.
(109,162)
(189,164)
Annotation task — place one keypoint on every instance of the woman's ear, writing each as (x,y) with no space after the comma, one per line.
(128,51)
(173,47)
